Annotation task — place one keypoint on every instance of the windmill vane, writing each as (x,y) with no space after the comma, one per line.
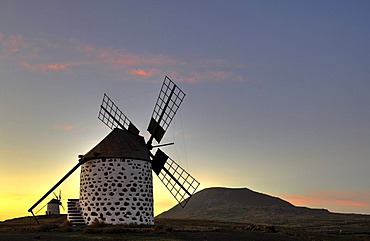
(116,183)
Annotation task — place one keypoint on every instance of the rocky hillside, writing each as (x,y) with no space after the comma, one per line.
(241,205)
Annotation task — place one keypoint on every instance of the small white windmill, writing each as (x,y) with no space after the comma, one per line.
(53,205)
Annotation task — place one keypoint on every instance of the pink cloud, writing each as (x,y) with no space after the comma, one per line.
(56,66)
(87,48)
(67,127)
(144,73)
(119,58)
(187,79)
(191,77)
(33,58)
(48,67)
(63,127)
(13,48)
(205,76)
(13,43)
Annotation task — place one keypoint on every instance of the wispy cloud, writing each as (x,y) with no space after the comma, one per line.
(45,56)
(206,75)
(85,48)
(48,67)
(13,43)
(63,127)
(121,58)
(143,72)
(11,46)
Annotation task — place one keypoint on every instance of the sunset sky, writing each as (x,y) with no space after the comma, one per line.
(277,94)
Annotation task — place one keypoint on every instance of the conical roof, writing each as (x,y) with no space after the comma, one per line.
(120,144)
(54,201)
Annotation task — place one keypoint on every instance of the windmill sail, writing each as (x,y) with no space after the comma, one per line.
(179,182)
(113,117)
(168,102)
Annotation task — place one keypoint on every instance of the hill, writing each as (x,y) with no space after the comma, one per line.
(247,206)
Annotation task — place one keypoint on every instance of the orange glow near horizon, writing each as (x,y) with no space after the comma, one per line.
(328,199)
(14,205)
(353,203)
(12,208)
(300,200)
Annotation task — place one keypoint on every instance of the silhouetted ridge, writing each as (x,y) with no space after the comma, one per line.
(239,205)
(241,196)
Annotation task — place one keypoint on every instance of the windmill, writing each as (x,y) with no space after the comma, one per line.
(116,183)
(53,204)
(52,207)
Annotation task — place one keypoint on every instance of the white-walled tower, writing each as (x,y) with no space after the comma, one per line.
(53,207)
(116,181)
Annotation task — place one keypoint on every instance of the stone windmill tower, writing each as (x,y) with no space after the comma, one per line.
(116,184)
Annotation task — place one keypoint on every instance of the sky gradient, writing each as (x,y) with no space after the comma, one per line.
(277,94)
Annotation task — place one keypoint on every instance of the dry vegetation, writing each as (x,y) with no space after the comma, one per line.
(57,228)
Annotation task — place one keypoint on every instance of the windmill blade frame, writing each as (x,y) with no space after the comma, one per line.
(113,117)
(60,199)
(168,102)
(61,204)
(178,181)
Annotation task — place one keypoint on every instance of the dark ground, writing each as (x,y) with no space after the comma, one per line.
(56,228)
